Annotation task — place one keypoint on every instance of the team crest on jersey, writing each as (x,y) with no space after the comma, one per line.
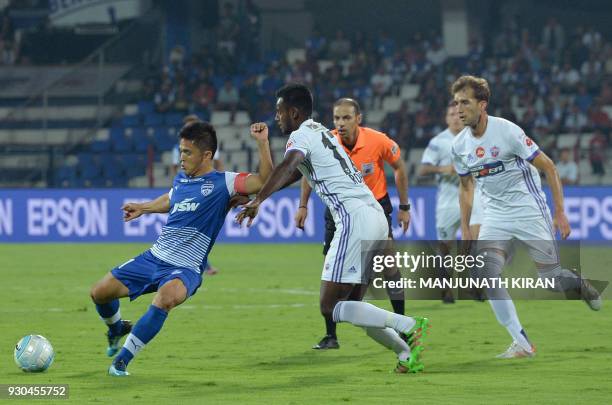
(528,141)
(207,188)
(480,152)
(494,151)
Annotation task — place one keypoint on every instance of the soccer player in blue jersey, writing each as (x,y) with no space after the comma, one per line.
(196,205)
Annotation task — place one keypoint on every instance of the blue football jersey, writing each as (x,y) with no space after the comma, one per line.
(198,207)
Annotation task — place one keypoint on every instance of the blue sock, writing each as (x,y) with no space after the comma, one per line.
(110,315)
(144,331)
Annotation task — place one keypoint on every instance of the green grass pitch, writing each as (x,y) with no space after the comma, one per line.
(246,337)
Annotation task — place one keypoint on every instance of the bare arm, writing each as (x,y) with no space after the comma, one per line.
(466,198)
(282,175)
(401,183)
(545,165)
(427,169)
(302,212)
(254,182)
(133,210)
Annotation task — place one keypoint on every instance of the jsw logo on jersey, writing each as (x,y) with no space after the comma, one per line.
(185,206)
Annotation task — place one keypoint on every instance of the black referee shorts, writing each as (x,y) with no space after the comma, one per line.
(330,226)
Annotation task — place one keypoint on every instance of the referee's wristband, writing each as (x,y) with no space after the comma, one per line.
(303,206)
(404,207)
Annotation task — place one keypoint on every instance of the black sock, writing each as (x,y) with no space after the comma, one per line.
(399,306)
(396,295)
(330,327)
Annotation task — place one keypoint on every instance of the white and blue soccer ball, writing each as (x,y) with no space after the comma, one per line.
(34,353)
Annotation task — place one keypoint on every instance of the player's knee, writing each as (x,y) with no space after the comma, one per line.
(167,301)
(170,296)
(98,294)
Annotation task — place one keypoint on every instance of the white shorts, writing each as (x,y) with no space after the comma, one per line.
(477,213)
(343,259)
(537,235)
(448,222)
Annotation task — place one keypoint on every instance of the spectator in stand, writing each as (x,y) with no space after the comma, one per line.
(164,98)
(203,98)
(598,117)
(316,45)
(8,42)
(381,83)
(583,99)
(567,77)
(567,168)
(181,101)
(228,30)
(597,153)
(339,47)
(576,121)
(553,37)
(228,98)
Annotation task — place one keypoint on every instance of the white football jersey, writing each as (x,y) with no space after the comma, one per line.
(499,162)
(329,170)
(438,153)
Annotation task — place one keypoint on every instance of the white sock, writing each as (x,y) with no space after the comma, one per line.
(367,315)
(505,312)
(133,344)
(391,340)
(113,319)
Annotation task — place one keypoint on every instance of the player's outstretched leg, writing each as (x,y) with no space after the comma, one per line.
(370,317)
(169,296)
(105,295)
(568,281)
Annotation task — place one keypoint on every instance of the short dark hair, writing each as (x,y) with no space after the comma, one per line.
(297,95)
(202,134)
(479,85)
(349,101)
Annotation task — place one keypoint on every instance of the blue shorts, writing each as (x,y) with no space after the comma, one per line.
(146,273)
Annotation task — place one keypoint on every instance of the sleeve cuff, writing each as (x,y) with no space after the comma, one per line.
(462,174)
(533,155)
(299,150)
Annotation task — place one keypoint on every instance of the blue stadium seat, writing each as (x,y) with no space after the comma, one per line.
(116,132)
(164,139)
(131,120)
(65,175)
(135,164)
(112,168)
(146,107)
(153,119)
(122,144)
(141,140)
(174,119)
(100,146)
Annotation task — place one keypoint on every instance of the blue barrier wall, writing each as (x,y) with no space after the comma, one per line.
(95,216)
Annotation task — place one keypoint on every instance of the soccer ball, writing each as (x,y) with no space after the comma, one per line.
(34,353)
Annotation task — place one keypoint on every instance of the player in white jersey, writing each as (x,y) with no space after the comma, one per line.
(503,160)
(314,152)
